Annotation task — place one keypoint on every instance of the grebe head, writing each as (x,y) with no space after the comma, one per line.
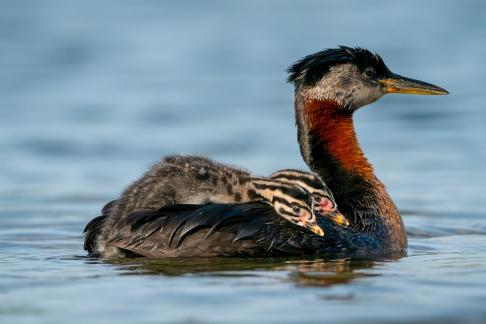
(321,195)
(290,202)
(322,198)
(351,77)
(296,205)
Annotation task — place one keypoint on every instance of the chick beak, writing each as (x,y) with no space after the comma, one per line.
(395,83)
(314,228)
(338,218)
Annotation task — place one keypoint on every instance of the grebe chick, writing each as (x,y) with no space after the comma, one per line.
(198,180)
(323,199)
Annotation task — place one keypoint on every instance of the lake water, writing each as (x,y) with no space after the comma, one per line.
(92,93)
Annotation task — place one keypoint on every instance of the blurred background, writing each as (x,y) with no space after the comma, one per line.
(92,93)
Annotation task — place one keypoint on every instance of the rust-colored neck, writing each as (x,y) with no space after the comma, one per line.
(330,148)
(338,135)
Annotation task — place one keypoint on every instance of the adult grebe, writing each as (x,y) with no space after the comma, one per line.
(329,86)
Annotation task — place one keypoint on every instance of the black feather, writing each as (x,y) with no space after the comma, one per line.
(313,67)
(91,231)
(249,229)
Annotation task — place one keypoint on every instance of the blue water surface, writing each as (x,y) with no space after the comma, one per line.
(93,92)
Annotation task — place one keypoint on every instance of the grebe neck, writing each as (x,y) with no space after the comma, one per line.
(329,146)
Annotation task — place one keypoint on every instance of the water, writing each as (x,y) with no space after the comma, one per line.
(94,92)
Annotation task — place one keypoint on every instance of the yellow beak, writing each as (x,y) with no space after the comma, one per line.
(316,229)
(399,84)
(337,218)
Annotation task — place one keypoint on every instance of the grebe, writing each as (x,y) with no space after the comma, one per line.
(329,87)
(181,179)
(324,203)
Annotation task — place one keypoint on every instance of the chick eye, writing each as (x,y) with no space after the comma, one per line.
(296,209)
(317,198)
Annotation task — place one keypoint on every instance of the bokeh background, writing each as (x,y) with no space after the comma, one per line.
(92,93)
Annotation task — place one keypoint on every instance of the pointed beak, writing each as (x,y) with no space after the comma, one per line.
(395,83)
(314,228)
(337,218)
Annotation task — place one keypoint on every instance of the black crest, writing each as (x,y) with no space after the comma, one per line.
(314,66)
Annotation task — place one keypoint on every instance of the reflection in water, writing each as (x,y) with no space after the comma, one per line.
(328,273)
(302,272)
(183,266)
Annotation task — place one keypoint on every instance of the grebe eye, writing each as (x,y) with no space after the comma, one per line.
(369,72)
(317,198)
(296,209)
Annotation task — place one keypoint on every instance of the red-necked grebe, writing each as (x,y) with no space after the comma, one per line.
(329,87)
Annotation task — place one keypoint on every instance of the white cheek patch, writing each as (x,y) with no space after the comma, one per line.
(345,85)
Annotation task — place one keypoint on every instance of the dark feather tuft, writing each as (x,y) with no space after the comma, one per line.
(91,232)
(310,69)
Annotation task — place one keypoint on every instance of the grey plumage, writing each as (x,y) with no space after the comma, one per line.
(346,75)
